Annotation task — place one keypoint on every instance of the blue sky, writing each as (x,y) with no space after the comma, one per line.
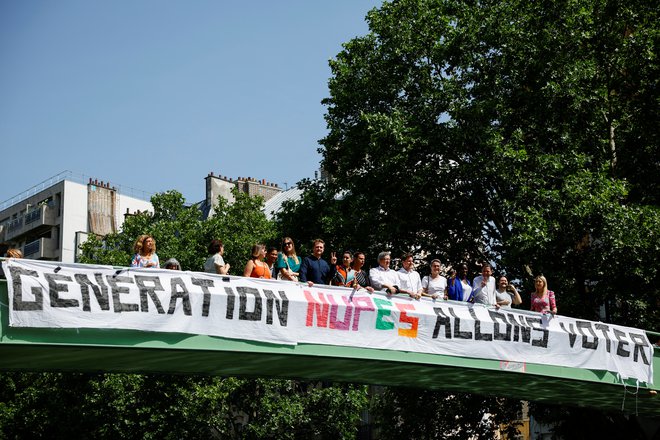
(154,95)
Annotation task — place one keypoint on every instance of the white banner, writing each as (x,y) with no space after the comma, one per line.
(58,295)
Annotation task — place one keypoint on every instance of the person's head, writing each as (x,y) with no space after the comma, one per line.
(407,262)
(502,282)
(144,244)
(463,271)
(172,264)
(271,255)
(541,284)
(258,251)
(346,258)
(14,253)
(486,270)
(358,260)
(318,246)
(288,247)
(216,247)
(384,259)
(435,267)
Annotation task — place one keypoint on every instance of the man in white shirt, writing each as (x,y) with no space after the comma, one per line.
(410,282)
(483,287)
(382,277)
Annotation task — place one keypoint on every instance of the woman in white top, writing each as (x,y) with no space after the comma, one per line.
(435,285)
(215,263)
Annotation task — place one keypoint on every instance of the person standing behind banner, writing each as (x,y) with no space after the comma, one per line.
(459,286)
(256,267)
(543,300)
(271,258)
(11,253)
(145,252)
(435,285)
(409,280)
(361,276)
(215,263)
(288,263)
(506,294)
(313,269)
(384,278)
(344,273)
(483,287)
(172,264)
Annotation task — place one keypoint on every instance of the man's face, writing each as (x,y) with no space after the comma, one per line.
(360,259)
(384,262)
(272,256)
(408,264)
(486,272)
(318,249)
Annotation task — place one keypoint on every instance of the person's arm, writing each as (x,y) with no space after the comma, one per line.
(516,296)
(502,302)
(425,288)
(378,282)
(304,267)
(332,271)
(249,267)
(553,302)
(222,270)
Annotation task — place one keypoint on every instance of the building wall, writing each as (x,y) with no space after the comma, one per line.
(63,220)
(74,218)
(222,186)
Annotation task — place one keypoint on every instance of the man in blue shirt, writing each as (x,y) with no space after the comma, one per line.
(315,270)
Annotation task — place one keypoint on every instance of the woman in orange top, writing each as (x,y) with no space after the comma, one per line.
(256,267)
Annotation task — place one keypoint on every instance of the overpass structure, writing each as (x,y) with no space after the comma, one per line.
(134,351)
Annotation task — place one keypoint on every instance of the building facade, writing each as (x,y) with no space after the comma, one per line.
(51,224)
(223,186)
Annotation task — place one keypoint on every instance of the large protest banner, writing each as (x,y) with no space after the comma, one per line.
(60,295)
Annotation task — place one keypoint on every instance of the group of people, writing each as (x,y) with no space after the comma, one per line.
(285,264)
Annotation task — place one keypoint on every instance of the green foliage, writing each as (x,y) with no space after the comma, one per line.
(403,413)
(180,232)
(130,406)
(522,133)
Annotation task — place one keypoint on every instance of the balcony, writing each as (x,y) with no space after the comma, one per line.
(42,248)
(45,215)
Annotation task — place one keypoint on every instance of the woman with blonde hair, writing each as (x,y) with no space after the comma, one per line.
(543,300)
(288,263)
(145,252)
(256,267)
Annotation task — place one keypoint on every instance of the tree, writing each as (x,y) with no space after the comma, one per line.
(182,233)
(49,405)
(521,133)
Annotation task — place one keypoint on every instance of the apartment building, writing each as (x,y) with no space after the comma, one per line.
(223,185)
(50,222)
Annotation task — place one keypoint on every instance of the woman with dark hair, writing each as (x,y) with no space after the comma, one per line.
(288,263)
(344,275)
(459,286)
(361,276)
(256,267)
(543,300)
(215,263)
(145,252)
